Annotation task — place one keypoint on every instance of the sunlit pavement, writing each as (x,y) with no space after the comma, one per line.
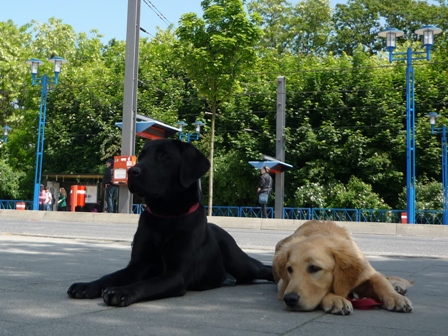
(36,272)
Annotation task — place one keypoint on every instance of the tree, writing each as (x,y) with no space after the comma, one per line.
(312,26)
(345,114)
(360,21)
(355,194)
(300,28)
(9,181)
(13,73)
(276,23)
(13,42)
(83,108)
(429,195)
(217,49)
(357,22)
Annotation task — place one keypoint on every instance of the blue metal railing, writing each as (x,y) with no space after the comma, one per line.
(231,211)
(342,215)
(137,208)
(429,217)
(333,214)
(12,204)
(255,212)
(297,213)
(383,216)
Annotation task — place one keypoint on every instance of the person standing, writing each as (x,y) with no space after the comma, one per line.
(62,201)
(48,199)
(264,189)
(109,187)
(42,197)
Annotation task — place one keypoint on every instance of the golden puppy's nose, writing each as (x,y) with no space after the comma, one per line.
(291,299)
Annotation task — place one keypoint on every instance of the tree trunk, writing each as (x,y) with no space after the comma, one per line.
(212,152)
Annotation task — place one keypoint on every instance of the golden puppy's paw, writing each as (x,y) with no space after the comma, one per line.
(337,305)
(400,285)
(397,303)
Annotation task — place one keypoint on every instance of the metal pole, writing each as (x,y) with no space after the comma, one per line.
(280,145)
(410,139)
(40,141)
(444,176)
(130,96)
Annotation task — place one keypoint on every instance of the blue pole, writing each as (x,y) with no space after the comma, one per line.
(40,142)
(410,139)
(444,176)
(189,137)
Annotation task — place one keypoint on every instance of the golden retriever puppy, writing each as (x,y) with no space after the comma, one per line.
(320,264)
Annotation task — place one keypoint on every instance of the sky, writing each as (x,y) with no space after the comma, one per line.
(109,17)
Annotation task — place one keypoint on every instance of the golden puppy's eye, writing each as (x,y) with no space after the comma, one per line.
(289,269)
(313,269)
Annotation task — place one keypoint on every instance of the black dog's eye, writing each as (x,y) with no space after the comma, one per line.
(289,269)
(313,269)
(164,156)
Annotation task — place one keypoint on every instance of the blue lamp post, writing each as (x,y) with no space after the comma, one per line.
(391,35)
(187,136)
(6,130)
(441,130)
(44,81)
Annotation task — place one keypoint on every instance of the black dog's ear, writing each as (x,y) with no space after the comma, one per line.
(193,166)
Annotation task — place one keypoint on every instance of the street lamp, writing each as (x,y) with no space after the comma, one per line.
(441,130)
(187,136)
(6,130)
(391,34)
(44,81)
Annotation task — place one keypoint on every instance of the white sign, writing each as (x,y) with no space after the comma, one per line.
(91,194)
(120,174)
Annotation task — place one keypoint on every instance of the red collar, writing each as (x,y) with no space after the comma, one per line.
(193,208)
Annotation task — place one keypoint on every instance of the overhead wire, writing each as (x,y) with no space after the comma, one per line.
(146,32)
(157,12)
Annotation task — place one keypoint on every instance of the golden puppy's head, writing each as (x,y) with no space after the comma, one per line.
(311,267)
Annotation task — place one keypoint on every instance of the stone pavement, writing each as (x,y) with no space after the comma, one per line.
(35,273)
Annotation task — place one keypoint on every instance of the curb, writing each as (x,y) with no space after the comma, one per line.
(392,229)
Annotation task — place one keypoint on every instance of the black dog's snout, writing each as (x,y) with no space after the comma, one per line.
(291,299)
(134,171)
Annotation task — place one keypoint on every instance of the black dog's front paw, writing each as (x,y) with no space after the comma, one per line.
(84,290)
(117,296)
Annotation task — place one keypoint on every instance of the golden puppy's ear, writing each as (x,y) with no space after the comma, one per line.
(279,263)
(279,270)
(348,268)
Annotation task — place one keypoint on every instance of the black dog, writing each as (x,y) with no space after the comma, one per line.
(174,248)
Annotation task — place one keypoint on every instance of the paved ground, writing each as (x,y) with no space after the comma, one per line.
(35,273)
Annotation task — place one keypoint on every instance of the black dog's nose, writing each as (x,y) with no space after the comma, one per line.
(134,171)
(291,299)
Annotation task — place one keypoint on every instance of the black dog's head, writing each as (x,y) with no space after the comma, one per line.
(167,171)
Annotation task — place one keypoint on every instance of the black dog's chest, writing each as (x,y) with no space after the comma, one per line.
(158,237)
